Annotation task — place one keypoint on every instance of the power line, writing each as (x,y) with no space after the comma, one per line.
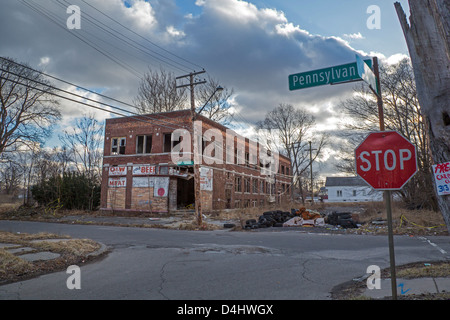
(66,82)
(151,120)
(46,13)
(130,42)
(42,11)
(95,101)
(140,36)
(83,103)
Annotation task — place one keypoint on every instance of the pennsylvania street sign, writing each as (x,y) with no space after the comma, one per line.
(320,77)
(366,73)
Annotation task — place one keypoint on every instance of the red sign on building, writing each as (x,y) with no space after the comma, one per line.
(386,160)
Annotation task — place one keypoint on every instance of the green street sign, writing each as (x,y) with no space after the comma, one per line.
(332,75)
(365,72)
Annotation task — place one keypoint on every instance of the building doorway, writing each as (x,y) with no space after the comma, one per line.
(185,194)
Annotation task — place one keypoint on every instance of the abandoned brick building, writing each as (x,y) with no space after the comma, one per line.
(141,174)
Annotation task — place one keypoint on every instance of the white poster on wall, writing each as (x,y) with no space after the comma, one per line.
(143,182)
(206,179)
(160,185)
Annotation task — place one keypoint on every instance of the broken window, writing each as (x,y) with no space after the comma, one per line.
(118,146)
(144,144)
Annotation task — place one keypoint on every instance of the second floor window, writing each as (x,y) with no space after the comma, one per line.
(118,145)
(144,144)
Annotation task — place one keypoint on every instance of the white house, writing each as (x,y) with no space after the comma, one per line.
(350,189)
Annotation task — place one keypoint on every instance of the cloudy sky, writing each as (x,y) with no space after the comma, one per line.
(250,46)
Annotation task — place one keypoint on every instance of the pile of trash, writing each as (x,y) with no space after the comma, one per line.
(343,219)
(300,218)
(278,218)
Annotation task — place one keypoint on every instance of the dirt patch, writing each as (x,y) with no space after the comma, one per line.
(69,251)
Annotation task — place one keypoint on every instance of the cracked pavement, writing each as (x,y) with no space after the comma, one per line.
(192,265)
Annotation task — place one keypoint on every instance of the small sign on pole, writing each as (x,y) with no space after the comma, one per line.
(441,173)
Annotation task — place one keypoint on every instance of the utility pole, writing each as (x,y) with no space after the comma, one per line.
(197,191)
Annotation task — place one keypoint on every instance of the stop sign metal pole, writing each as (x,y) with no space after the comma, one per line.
(387,193)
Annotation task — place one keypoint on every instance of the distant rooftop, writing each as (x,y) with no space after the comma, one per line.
(344,182)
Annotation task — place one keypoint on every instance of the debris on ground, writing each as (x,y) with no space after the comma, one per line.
(302,218)
(344,219)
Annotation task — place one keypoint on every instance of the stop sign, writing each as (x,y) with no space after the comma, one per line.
(386,160)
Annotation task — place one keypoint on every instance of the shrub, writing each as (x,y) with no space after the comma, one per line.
(71,191)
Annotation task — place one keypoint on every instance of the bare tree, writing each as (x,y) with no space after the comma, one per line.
(84,141)
(10,176)
(288,130)
(27,107)
(27,160)
(158,92)
(216,105)
(428,38)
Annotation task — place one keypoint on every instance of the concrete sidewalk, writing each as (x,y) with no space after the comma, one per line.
(410,287)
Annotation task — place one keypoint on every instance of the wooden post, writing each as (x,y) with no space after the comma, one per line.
(387,193)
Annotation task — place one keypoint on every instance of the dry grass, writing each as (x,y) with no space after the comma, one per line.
(25,238)
(76,247)
(8,203)
(404,221)
(72,251)
(434,270)
(10,264)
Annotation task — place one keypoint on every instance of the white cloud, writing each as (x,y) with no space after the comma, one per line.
(141,14)
(171,30)
(354,36)
(396,58)
(44,61)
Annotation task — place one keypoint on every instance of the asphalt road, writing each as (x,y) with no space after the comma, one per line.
(217,265)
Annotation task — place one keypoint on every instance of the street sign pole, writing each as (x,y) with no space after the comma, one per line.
(387,193)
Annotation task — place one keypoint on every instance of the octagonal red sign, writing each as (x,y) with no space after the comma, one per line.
(386,160)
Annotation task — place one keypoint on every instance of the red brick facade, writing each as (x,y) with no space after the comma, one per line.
(140,175)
